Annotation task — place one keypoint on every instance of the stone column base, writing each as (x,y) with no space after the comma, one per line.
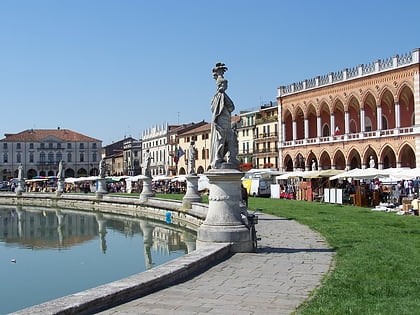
(191,194)
(223,223)
(147,190)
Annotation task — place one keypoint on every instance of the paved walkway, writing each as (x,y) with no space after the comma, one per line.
(288,265)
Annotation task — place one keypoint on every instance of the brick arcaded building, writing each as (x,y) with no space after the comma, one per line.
(40,150)
(342,119)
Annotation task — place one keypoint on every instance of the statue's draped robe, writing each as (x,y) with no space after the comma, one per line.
(221,131)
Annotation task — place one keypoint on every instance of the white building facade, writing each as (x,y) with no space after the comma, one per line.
(39,151)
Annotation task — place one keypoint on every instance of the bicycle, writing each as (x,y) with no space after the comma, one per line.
(252,221)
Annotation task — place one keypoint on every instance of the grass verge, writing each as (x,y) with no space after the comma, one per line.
(377,257)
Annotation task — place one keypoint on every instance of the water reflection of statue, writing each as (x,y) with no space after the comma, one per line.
(147,161)
(102,169)
(191,158)
(223,147)
(371,162)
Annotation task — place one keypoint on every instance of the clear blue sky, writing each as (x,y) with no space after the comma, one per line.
(110,69)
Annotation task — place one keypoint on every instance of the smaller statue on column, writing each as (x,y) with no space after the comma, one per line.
(192,152)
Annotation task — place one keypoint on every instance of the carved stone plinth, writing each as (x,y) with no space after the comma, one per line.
(191,194)
(147,190)
(60,187)
(223,223)
(101,189)
(20,188)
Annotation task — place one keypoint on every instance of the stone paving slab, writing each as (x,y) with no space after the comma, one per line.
(289,263)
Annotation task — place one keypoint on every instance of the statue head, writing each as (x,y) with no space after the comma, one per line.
(219,70)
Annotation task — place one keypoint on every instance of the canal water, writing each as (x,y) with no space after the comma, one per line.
(49,253)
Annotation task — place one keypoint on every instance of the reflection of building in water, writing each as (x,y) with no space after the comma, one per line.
(50,229)
(166,241)
(45,229)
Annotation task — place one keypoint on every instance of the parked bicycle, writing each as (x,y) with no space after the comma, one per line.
(252,221)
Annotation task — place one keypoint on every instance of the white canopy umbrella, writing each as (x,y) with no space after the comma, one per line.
(358,174)
(136,178)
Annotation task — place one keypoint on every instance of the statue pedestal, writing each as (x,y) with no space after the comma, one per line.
(223,222)
(60,187)
(192,194)
(147,190)
(20,188)
(101,189)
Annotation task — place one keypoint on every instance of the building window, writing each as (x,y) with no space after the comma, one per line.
(50,145)
(94,157)
(82,157)
(31,146)
(69,157)
(18,146)
(31,157)
(42,145)
(69,145)
(18,158)
(94,145)
(42,157)
(58,145)
(58,157)
(5,158)
(81,146)
(50,157)
(135,153)
(5,146)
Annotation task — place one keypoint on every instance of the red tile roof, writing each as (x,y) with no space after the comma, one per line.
(35,135)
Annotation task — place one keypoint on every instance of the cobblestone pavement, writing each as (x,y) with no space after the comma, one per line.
(288,265)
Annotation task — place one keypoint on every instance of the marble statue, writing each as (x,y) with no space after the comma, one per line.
(313,165)
(371,162)
(223,144)
(60,174)
(192,151)
(20,172)
(102,168)
(147,161)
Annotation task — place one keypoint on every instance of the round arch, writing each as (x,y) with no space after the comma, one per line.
(288,124)
(69,172)
(354,159)
(182,171)
(388,109)
(325,115)
(300,123)
(339,160)
(338,110)
(406,100)
(200,170)
(312,162)
(94,172)
(288,163)
(312,121)
(407,156)
(31,173)
(370,152)
(388,157)
(299,162)
(81,172)
(324,161)
(354,114)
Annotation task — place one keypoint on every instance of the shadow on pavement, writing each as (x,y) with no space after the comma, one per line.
(268,249)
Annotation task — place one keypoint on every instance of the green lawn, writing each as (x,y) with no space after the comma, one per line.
(377,261)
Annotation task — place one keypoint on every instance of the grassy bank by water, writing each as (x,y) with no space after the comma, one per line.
(377,257)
